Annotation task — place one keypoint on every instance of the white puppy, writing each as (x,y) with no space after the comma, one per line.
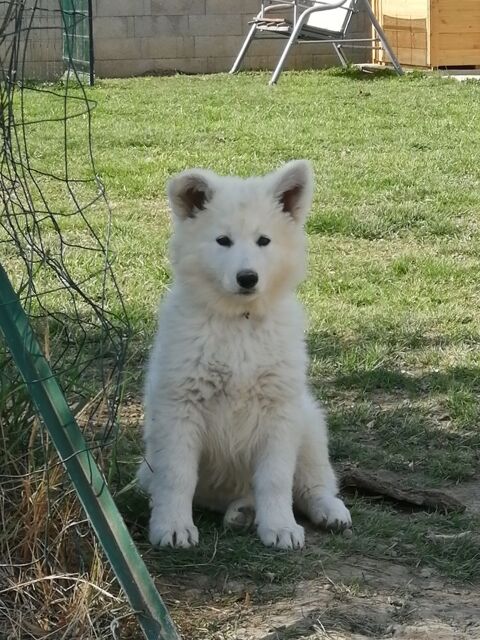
(230,422)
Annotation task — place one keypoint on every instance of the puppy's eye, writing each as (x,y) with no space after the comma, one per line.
(224,241)
(263,241)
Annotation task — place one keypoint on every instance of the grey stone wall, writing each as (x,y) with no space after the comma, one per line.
(134,37)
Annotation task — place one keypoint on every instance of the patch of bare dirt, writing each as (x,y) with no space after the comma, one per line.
(371,599)
(360,598)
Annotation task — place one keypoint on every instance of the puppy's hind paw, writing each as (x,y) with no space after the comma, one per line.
(240,515)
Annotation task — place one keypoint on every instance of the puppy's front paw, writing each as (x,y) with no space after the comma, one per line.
(173,534)
(287,537)
(330,513)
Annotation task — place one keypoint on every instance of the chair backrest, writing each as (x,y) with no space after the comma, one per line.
(334,20)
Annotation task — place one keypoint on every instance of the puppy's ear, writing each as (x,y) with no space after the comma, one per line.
(293,188)
(189,192)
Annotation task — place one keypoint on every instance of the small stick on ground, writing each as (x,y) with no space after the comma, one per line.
(447,537)
(374,484)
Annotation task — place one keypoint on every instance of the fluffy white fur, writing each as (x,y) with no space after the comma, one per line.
(230,422)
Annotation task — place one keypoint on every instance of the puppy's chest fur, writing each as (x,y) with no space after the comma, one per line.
(243,359)
(233,370)
(245,369)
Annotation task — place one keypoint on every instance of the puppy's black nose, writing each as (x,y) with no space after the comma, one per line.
(247,278)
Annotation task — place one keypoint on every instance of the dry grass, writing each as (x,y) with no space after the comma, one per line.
(54,582)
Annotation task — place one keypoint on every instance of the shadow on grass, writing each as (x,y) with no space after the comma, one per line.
(412,385)
(404,439)
(383,415)
(380,417)
(366,73)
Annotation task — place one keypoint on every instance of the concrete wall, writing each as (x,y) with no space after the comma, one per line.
(135,37)
(39,47)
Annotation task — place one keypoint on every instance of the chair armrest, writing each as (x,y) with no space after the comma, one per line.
(325,7)
(278,7)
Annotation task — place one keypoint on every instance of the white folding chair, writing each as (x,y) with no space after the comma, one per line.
(311,21)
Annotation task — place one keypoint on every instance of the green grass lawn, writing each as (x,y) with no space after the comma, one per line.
(393,287)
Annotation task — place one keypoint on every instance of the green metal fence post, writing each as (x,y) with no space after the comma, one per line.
(89,482)
(78,44)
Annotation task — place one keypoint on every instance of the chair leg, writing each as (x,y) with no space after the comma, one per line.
(291,41)
(383,38)
(341,56)
(244,49)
